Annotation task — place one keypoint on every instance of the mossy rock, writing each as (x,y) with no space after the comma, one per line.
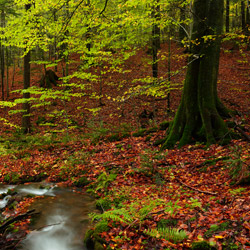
(151,130)
(202,245)
(113,138)
(139,133)
(88,239)
(98,246)
(92,239)
(81,182)
(101,226)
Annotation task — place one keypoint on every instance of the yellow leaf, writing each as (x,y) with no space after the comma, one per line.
(218,237)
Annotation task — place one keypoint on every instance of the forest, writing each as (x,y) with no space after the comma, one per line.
(124,124)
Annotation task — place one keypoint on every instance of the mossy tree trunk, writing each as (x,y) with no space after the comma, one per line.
(199,116)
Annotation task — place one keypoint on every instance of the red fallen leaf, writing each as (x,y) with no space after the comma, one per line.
(131,234)
(242,240)
(246,225)
(183,226)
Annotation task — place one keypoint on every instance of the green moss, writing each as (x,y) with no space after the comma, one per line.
(164,125)
(101,226)
(98,246)
(151,130)
(202,245)
(103,204)
(93,241)
(139,133)
(216,228)
(81,182)
(113,138)
(88,239)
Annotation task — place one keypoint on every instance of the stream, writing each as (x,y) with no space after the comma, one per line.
(63,219)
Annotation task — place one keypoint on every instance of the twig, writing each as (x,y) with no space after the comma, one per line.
(50,225)
(198,190)
(106,3)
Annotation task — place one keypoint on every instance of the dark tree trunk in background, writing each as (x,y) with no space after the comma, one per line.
(248,15)
(227,15)
(182,33)
(243,16)
(155,37)
(2,55)
(26,126)
(199,116)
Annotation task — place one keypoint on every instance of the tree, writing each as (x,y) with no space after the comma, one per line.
(200,112)
(227,15)
(26,126)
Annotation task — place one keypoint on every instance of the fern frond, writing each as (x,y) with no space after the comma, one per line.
(120,215)
(171,234)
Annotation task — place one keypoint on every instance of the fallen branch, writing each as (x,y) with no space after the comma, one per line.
(198,190)
(17,218)
(240,130)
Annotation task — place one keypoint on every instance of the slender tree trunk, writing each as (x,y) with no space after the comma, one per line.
(182,33)
(155,37)
(13,73)
(2,55)
(2,70)
(243,16)
(156,43)
(7,73)
(169,70)
(26,125)
(55,42)
(198,116)
(227,15)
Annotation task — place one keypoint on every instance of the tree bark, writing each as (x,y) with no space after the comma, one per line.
(26,125)
(243,16)
(156,44)
(227,15)
(2,55)
(199,113)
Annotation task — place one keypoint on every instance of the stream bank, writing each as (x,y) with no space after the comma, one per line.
(62,218)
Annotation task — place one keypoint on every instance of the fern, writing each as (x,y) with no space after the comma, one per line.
(171,234)
(120,215)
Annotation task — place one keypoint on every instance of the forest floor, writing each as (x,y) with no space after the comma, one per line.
(195,189)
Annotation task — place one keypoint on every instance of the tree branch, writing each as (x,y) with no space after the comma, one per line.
(105,6)
(198,190)
(14,219)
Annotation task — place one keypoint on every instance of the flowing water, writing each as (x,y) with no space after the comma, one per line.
(63,219)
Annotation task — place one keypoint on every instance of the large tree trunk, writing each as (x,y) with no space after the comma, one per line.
(199,114)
